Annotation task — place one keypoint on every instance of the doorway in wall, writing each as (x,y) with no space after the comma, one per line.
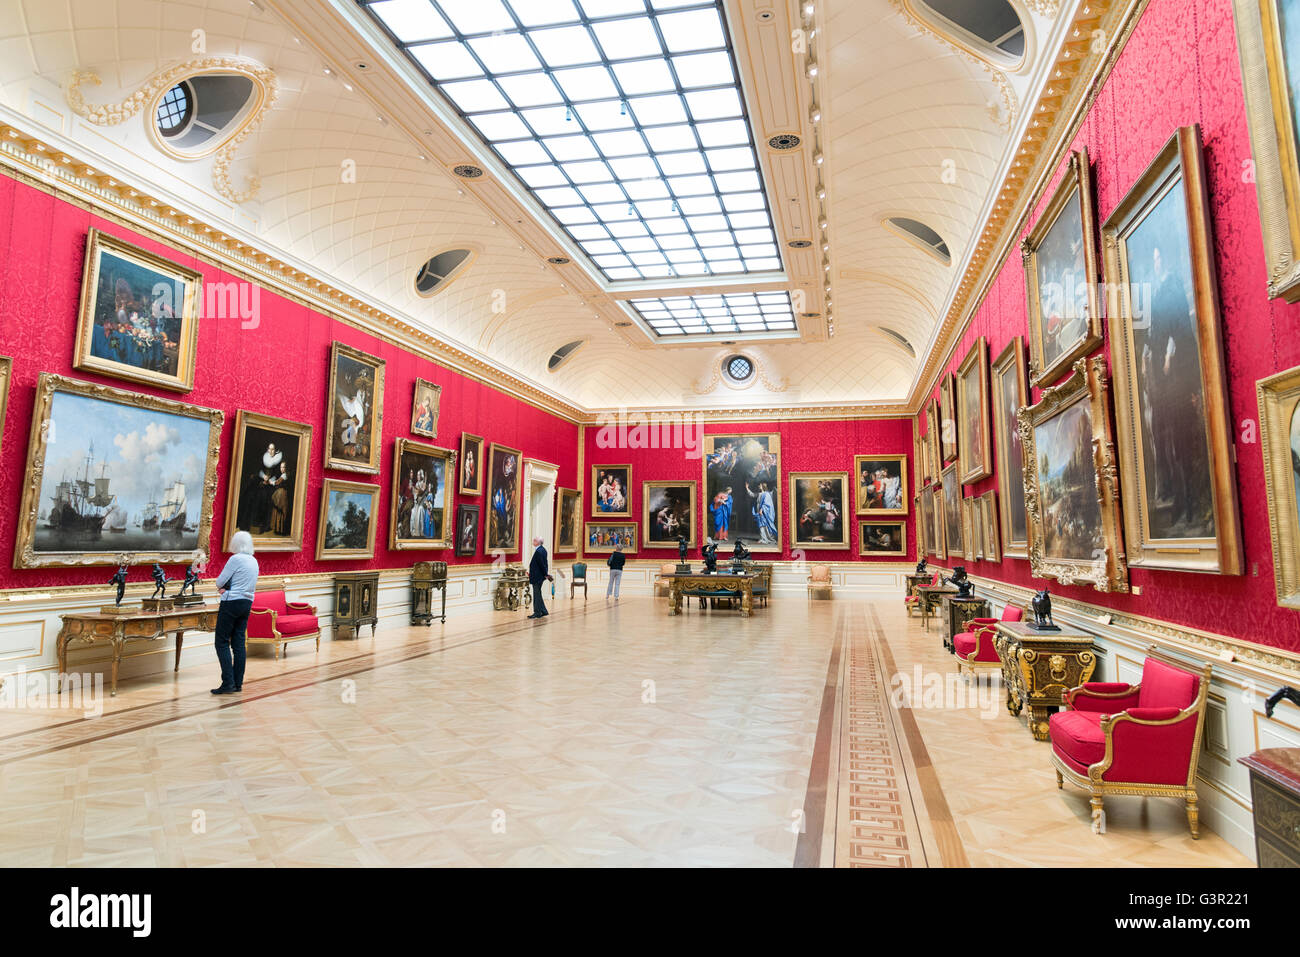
(539,513)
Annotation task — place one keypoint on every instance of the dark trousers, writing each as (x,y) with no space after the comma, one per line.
(232,625)
(539,606)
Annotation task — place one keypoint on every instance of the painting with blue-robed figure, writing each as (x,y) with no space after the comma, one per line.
(742,489)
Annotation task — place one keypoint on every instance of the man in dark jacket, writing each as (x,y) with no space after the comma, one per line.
(538,572)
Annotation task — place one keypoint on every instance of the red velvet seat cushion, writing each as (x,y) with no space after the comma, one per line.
(272,600)
(1076,737)
(296,624)
(1164,686)
(964,644)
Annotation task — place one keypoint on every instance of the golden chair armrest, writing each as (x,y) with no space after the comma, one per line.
(268,611)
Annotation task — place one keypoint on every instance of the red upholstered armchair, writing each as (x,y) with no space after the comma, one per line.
(974,649)
(278,621)
(1115,738)
(913,602)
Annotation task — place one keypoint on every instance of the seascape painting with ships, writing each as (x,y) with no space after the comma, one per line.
(117,476)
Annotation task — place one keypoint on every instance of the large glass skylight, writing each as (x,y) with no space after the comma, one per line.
(622,117)
(724,314)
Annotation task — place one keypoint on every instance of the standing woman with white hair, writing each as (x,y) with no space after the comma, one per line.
(237,584)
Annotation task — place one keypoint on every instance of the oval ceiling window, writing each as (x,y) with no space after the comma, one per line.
(561,354)
(991,29)
(922,235)
(438,271)
(198,114)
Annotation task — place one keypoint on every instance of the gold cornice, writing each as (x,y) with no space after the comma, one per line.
(1076,79)
(30,159)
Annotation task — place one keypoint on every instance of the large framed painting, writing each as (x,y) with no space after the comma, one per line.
(882,539)
(947,421)
(266,494)
(348,518)
(1171,392)
(1071,494)
(611,491)
(1279,430)
(990,536)
(817,508)
(568,520)
(881,484)
(1267,32)
(467,522)
(933,422)
(6,374)
(1010,395)
(115,477)
(742,475)
(1061,276)
(974,448)
(139,315)
(604,537)
(922,546)
(668,510)
(425,407)
(933,521)
(504,466)
(420,508)
(471,464)
(950,509)
(354,420)
(971,529)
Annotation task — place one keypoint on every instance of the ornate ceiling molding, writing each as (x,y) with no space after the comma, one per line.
(112,114)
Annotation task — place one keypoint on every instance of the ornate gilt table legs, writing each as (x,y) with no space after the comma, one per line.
(674,598)
(180,637)
(747,601)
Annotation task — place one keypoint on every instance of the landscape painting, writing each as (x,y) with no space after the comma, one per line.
(111,472)
(347,520)
(741,489)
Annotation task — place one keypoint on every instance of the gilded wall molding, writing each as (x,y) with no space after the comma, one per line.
(112,114)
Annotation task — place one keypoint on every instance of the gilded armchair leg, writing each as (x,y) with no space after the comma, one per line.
(1060,782)
(1098,814)
(1193,816)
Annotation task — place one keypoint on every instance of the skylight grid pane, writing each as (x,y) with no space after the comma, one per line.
(727,313)
(623,118)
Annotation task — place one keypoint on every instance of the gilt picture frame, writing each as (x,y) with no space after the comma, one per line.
(568,520)
(425,405)
(951,510)
(470,472)
(601,538)
(1172,410)
(948,424)
(819,504)
(990,536)
(974,448)
(420,507)
(1062,276)
(882,539)
(1009,375)
(1269,77)
(505,465)
(6,376)
(1076,534)
(266,494)
(931,442)
(741,489)
(922,545)
(669,509)
(880,484)
(468,518)
(972,529)
(1279,433)
(87,504)
(139,315)
(611,491)
(349,521)
(354,416)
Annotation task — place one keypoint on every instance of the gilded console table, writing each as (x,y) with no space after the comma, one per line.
(720,585)
(957,612)
(129,624)
(913,579)
(1038,667)
(1275,804)
(513,589)
(929,596)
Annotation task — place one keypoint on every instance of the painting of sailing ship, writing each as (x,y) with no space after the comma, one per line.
(110,476)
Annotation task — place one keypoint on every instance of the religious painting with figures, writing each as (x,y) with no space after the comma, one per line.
(881,484)
(504,468)
(742,476)
(817,503)
(669,512)
(354,416)
(611,491)
(425,408)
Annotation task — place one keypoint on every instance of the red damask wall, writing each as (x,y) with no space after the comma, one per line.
(280,368)
(808,446)
(1180,67)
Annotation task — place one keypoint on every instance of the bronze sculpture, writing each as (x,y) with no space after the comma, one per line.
(1042,608)
(709,552)
(120,581)
(160,581)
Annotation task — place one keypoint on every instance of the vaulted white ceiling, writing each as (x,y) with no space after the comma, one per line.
(911,125)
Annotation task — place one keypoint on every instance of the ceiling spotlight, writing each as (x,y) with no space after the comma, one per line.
(808,9)
(347,86)
(818,158)
(815,115)
(328,72)
(824,223)
(826,247)
(821,192)
(812,69)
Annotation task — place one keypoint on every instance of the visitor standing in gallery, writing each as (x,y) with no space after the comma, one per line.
(237,584)
(615,563)
(538,572)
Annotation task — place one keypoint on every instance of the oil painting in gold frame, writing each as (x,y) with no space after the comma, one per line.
(420,512)
(1010,395)
(881,539)
(974,449)
(1279,432)
(349,519)
(354,416)
(266,493)
(818,506)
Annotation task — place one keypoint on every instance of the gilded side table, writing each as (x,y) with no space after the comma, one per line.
(957,612)
(913,579)
(1038,667)
(118,626)
(513,589)
(929,597)
(1275,805)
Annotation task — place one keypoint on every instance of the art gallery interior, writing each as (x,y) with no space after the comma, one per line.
(923,373)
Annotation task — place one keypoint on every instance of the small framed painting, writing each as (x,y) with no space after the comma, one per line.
(989,523)
(467,522)
(954,542)
(882,539)
(668,511)
(139,316)
(354,419)
(817,502)
(881,484)
(568,520)
(604,537)
(947,420)
(471,464)
(921,532)
(1061,276)
(348,519)
(611,491)
(424,409)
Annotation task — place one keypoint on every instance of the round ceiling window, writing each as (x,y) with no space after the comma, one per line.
(738,368)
